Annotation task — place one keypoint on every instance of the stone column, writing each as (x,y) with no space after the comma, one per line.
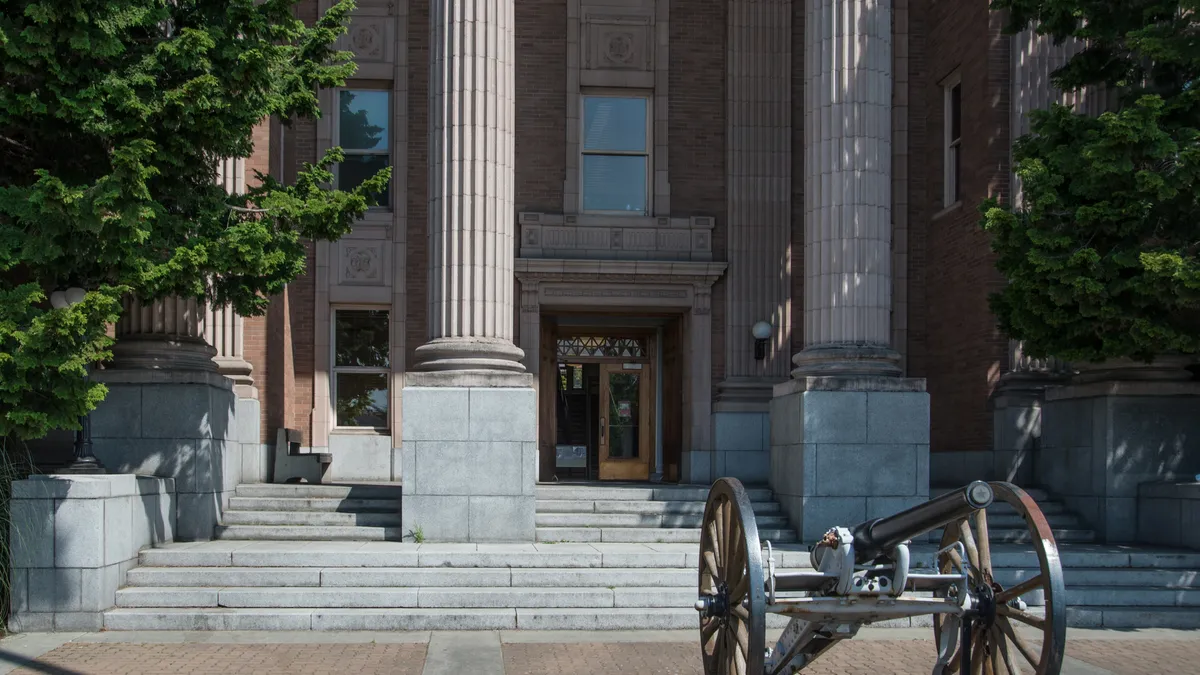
(471,226)
(847,188)
(846,410)
(168,412)
(469,430)
(223,326)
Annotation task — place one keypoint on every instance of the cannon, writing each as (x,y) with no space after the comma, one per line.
(864,573)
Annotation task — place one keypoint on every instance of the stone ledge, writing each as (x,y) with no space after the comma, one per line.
(1122,388)
(1168,490)
(119,376)
(55,486)
(468,379)
(869,384)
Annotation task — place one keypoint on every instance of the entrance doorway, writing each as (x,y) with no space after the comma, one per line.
(605,406)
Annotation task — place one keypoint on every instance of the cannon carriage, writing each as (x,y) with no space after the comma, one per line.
(865,573)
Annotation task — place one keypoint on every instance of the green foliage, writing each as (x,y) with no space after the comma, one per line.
(1102,256)
(15,465)
(113,117)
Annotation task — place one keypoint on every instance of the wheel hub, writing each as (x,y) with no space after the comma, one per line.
(716,605)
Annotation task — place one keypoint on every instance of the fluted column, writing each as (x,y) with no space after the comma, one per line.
(759,169)
(167,334)
(224,327)
(847,189)
(471,227)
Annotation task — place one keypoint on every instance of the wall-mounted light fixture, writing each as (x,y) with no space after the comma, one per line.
(762,333)
(84,462)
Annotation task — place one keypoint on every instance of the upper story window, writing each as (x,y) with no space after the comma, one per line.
(364,133)
(615,168)
(952,163)
(361,367)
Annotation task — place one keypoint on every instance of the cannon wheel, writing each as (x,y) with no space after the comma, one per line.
(1000,649)
(733,629)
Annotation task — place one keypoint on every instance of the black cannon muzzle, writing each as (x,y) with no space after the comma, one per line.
(880,535)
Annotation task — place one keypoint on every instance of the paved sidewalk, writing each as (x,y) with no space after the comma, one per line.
(874,652)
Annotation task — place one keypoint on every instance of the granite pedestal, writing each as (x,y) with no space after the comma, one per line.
(73,538)
(847,449)
(469,457)
(1102,440)
(182,425)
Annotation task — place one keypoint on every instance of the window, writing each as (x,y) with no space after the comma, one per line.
(630,348)
(615,167)
(361,367)
(953,142)
(364,133)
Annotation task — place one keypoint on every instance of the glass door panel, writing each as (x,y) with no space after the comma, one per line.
(624,437)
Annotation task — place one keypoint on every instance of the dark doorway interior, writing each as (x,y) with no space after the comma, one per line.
(577,402)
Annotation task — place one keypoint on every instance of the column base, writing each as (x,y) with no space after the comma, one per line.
(846,361)
(470,353)
(468,460)
(163,353)
(847,449)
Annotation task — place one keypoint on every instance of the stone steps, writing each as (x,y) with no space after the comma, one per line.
(644,535)
(318,504)
(312,518)
(405,619)
(638,492)
(640,506)
(372,491)
(308,533)
(226,585)
(651,520)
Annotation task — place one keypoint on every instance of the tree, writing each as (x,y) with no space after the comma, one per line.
(113,117)
(1102,255)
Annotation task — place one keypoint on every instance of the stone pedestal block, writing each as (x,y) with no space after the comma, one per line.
(1102,440)
(468,459)
(1169,514)
(847,449)
(72,540)
(176,424)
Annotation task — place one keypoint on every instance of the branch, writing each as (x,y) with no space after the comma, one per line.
(242,209)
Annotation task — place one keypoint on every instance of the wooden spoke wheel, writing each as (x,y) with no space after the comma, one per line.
(732,602)
(998,646)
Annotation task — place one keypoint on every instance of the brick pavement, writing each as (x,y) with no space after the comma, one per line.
(84,658)
(858,657)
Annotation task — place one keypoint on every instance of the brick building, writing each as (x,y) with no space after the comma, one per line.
(628,240)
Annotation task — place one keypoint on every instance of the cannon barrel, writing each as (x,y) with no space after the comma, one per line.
(880,535)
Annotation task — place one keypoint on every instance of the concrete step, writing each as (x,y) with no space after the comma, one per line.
(1082,578)
(1133,617)
(322,505)
(666,520)
(425,596)
(639,493)
(303,533)
(409,577)
(1115,596)
(1000,535)
(645,535)
(638,506)
(312,518)
(405,619)
(390,491)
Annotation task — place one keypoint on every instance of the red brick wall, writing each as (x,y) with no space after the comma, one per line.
(541,134)
(254,328)
(696,140)
(963,350)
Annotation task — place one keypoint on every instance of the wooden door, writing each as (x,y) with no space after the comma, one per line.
(626,412)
